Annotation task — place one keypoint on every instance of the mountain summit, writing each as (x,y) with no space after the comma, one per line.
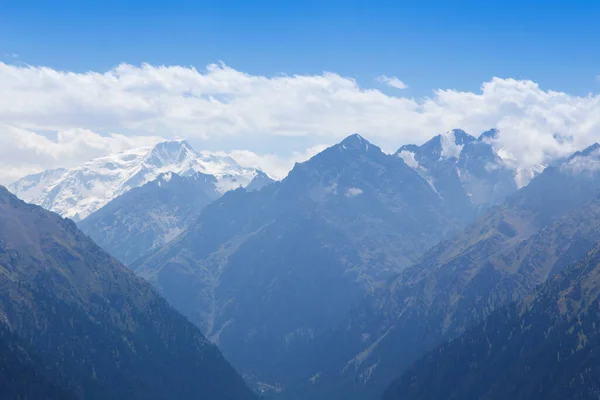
(463,169)
(77,192)
(355,142)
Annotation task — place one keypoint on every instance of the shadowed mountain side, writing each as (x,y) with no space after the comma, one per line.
(544,347)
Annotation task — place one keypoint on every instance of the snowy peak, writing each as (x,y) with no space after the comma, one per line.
(458,164)
(454,147)
(445,146)
(77,192)
(169,153)
(31,185)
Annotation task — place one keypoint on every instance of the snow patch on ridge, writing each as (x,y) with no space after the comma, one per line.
(167,177)
(409,158)
(449,147)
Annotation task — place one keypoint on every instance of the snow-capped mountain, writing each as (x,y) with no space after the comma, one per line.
(78,192)
(466,168)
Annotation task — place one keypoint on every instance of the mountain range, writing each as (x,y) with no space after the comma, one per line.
(501,257)
(331,283)
(77,192)
(265,273)
(75,323)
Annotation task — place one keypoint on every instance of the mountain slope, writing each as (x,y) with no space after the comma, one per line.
(77,192)
(501,257)
(263,273)
(147,217)
(24,376)
(107,331)
(546,347)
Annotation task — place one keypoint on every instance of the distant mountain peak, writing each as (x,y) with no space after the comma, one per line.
(461,137)
(452,143)
(488,135)
(170,152)
(590,150)
(355,142)
(458,164)
(583,162)
(173,144)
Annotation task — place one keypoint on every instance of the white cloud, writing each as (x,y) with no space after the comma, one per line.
(353,191)
(275,165)
(392,81)
(265,120)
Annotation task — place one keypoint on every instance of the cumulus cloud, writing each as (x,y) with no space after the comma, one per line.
(51,118)
(276,166)
(392,81)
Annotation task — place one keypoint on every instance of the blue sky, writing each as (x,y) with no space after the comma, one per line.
(427,44)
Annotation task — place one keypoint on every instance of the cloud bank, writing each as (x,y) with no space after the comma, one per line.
(52,118)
